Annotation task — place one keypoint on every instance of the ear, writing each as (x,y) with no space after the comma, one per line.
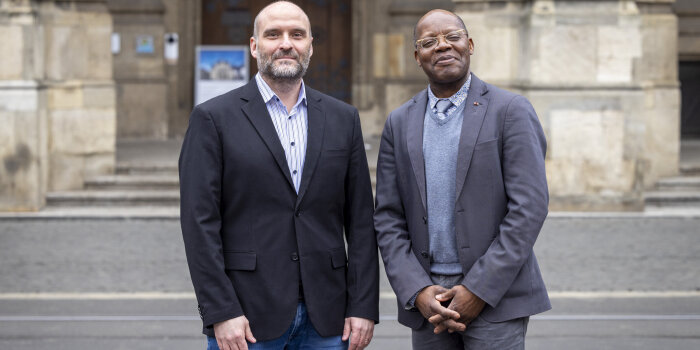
(311,47)
(253,47)
(415,56)
(471,46)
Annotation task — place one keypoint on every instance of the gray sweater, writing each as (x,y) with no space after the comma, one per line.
(440,147)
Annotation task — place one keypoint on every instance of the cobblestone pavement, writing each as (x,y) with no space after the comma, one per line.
(616,283)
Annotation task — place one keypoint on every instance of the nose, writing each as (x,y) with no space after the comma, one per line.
(442,43)
(286,43)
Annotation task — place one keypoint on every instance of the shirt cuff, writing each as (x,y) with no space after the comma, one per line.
(411,304)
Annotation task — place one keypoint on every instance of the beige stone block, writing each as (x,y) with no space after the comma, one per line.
(372,122)
(617,48)
(563,55)
(496,46)
(100,96)
(363,96)
(659,61)
(587,153)
(398,94)
(12,57)
(66,47)
(496,53)
(662,141)
(141,111)
(82,131)
(18,95)
(67,172)
(20,178)
(99,52)
(397,56)
(379,55)
(65,97)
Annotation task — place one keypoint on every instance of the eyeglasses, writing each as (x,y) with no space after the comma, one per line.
(451,37)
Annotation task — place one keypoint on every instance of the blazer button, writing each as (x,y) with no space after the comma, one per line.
(424,254)
(298,214)
(295,256)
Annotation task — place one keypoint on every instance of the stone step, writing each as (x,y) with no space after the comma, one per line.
(690,168)
(133,182)
(679,183)
(165,168)
(113,198)
(679,199)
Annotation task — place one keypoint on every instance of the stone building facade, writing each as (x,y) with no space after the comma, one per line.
(57,98)
(602,75)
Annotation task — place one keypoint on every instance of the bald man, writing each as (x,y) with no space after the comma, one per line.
(274,180)
(461,198)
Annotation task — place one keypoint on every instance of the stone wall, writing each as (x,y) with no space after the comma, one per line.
(602,76)
(57,100)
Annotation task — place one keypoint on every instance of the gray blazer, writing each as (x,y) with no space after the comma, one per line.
(501,204)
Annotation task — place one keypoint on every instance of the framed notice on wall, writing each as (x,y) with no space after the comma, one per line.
(219,69)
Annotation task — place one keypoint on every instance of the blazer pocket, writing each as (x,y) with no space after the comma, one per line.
(243,261)
(338,258)
(485,144)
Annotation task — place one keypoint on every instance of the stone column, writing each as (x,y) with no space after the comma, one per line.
(56,98)
(602,76)
(80,92)
(23,131)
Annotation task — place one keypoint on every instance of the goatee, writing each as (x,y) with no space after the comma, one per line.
(283,71)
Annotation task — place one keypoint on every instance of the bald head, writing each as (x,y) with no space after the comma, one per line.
(279,7)
(437,12)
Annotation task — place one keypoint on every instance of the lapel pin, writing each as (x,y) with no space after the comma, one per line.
(476,103)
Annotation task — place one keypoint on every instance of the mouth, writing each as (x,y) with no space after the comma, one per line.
(443,60)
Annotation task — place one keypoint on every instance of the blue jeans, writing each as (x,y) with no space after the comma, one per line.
(301,335)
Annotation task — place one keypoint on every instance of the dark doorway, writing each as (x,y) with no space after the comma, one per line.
(230,22)
(689,75)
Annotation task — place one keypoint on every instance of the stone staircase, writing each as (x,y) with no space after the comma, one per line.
(142,185)
(676,193)
(145,180)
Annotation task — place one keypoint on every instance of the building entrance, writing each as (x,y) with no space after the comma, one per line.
(689,76)
(231,23)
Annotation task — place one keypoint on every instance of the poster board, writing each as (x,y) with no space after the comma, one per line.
(219,69)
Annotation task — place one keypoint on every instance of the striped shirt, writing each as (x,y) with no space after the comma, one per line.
(291,127)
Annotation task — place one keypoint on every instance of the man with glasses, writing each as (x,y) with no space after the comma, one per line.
(274,181)
(461,197)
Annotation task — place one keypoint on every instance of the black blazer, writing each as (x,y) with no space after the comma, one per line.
(250,239)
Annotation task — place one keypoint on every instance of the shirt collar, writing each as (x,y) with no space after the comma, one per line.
(268,94)
(457,99)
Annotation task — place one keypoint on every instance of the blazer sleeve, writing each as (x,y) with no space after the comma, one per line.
(405,273)
(524,149)
(363,263)
(200,168)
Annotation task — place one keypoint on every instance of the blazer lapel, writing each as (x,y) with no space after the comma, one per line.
(314,139)
(256,111)
(474,112)
(414,140)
